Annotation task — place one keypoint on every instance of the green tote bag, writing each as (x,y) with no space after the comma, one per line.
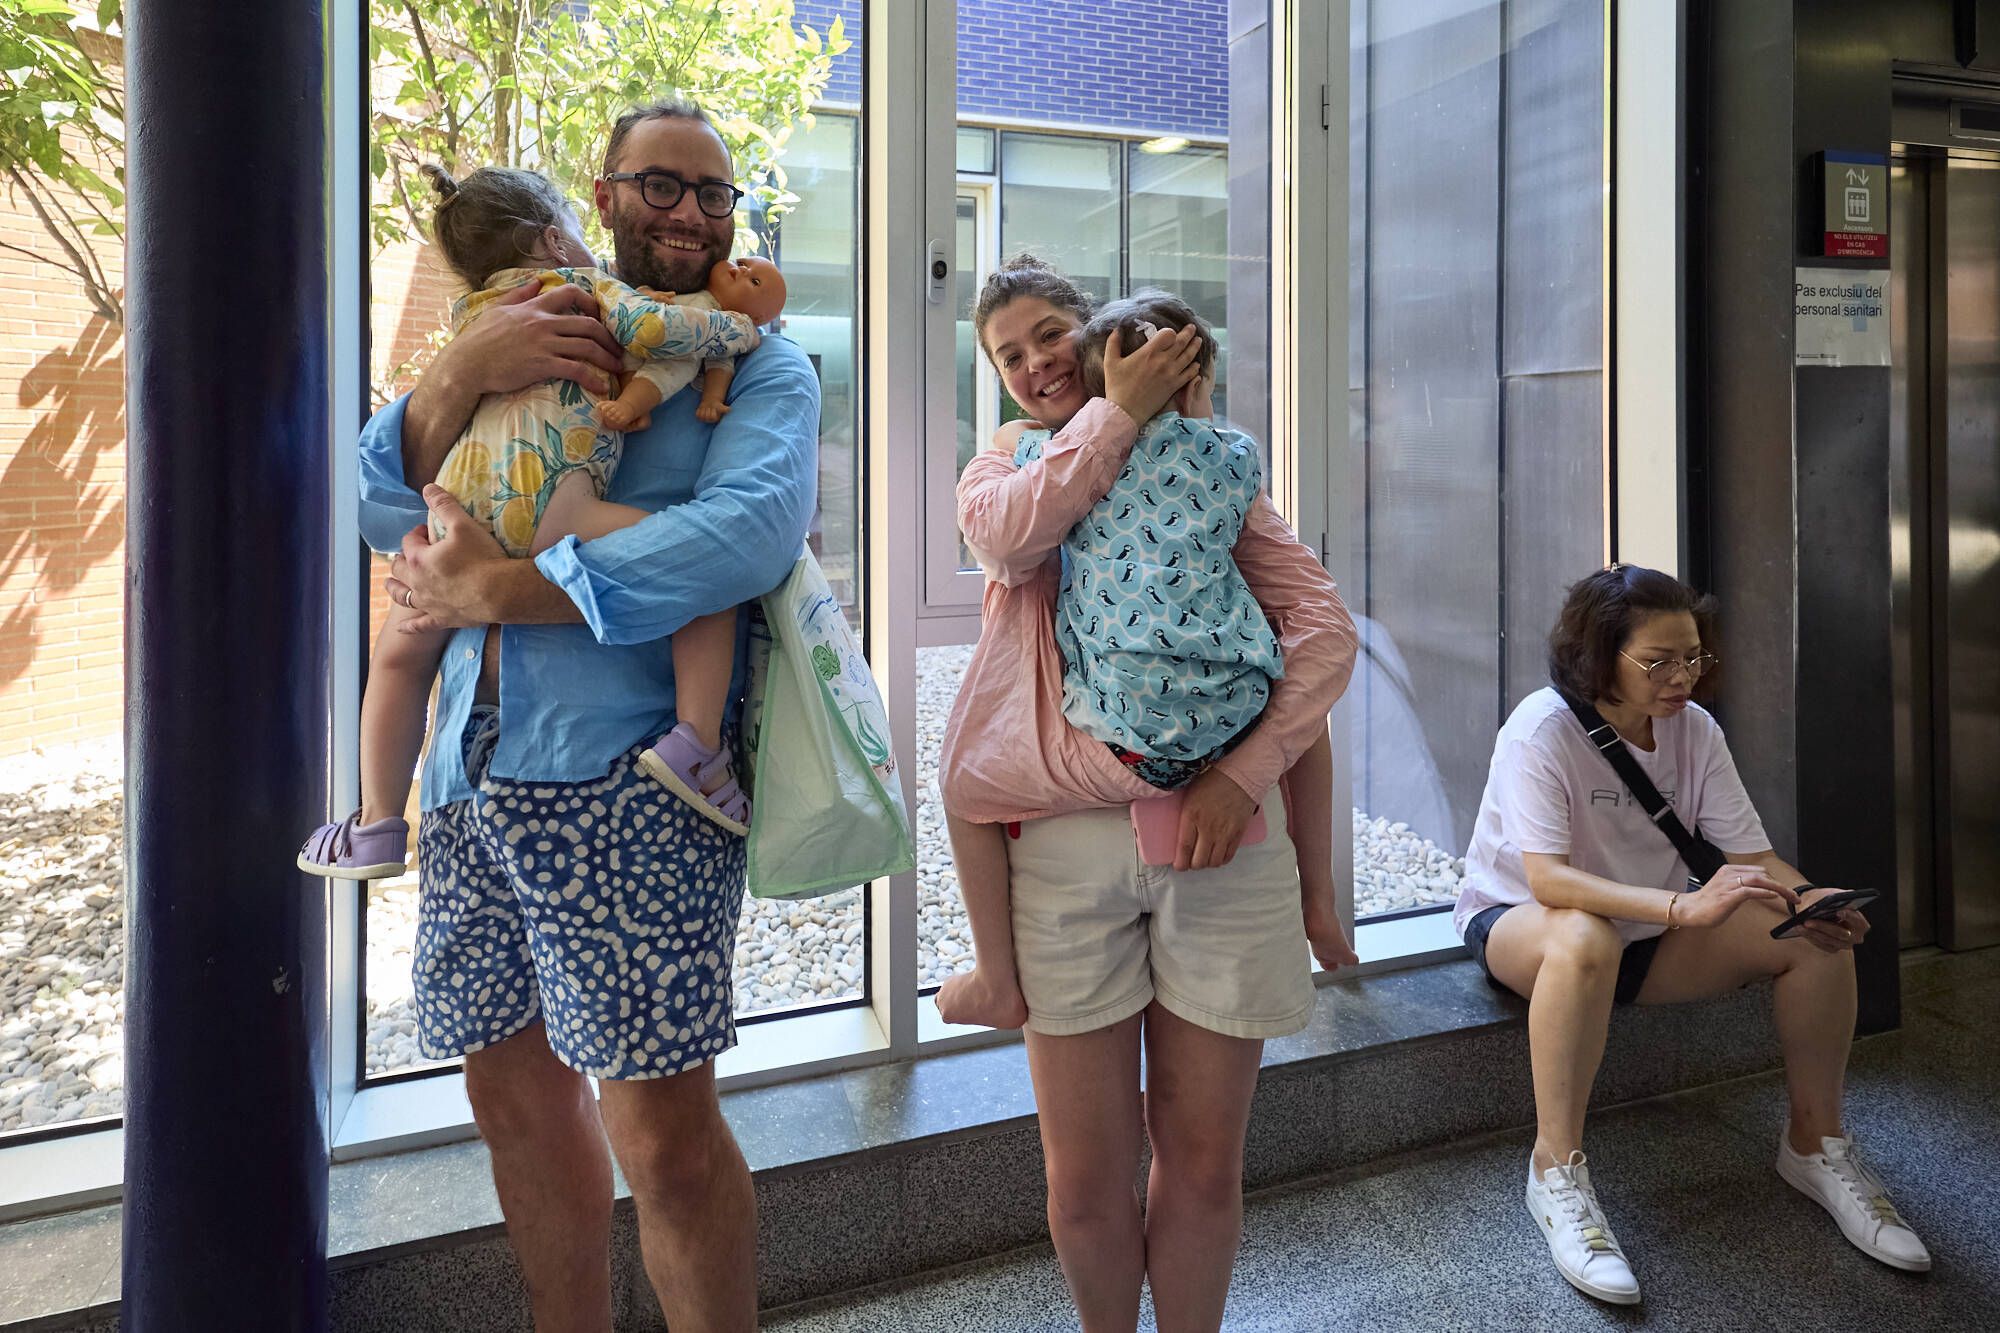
(828,809)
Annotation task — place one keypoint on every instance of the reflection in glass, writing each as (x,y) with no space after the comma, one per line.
(1061,199)
(975,151)
(1179,223)
(815,245)
(787,954)
(1476,389)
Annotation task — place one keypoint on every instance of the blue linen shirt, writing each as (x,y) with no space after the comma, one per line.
(731,504)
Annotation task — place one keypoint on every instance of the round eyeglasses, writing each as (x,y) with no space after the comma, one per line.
(663,189)
(1663,670)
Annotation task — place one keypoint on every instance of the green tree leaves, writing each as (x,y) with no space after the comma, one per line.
(537,83)
(62,128)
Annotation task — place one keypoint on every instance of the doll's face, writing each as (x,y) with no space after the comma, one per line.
(752,286)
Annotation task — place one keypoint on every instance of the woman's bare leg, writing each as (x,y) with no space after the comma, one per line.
(1813,1003)
(990,994)
(1087,1100)
(1198,1089)
(1565,962)
(400,672)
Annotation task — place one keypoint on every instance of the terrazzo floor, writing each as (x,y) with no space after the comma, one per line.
(1441,1241)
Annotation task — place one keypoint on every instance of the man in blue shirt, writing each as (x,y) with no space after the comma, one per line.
(576,919)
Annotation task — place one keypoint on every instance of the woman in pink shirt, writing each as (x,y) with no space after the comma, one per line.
(1201,960)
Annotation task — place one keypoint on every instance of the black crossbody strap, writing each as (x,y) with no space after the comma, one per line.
(1700,855)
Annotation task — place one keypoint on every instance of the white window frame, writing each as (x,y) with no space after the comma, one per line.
(908,390)
(950,611)
(1644,248)
(985,194)
(950,607)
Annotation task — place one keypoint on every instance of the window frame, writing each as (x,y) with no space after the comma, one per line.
(908,116)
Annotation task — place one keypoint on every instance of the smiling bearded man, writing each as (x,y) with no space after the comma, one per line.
(602,947)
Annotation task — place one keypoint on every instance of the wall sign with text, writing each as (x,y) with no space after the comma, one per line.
(1841,316)
(1855,204)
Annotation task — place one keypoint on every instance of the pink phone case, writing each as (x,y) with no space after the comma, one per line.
(1157,822)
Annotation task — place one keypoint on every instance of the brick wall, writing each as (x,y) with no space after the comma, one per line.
(1137,65)
(62,480)
(62,496)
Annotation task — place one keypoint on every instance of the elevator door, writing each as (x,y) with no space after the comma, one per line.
(1945,540)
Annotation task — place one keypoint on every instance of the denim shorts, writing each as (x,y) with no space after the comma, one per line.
(606,908)
(1633,965)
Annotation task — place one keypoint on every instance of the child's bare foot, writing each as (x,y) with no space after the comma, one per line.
(617,416)
(976,999)
(711,412)
(1328,940)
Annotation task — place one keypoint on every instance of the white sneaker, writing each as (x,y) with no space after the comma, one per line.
(1838,1180)
(1565,1207)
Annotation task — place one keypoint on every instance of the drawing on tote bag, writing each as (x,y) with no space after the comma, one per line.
(829,811)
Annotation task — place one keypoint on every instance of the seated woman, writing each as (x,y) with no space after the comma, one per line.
(1575,899)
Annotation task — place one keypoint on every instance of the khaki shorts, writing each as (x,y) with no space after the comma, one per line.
(1098,935)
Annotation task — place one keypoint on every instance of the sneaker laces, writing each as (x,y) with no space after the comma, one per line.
(1580,1208)
(1844,1159)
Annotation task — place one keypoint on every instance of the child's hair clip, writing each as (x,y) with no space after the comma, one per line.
(1148,327)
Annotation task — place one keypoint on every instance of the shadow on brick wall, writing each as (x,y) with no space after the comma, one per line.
(62,495)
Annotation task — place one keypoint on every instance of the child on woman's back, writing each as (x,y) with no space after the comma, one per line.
(1167,657)
(533,466)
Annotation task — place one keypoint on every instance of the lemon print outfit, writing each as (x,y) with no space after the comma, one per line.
(505,466)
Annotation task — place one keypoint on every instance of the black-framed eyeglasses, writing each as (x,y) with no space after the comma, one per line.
(1663,670)
(663,189)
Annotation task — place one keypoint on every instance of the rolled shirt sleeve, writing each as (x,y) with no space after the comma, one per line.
(388,507)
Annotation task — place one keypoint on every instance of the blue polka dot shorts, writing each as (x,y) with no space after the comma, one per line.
(606,908)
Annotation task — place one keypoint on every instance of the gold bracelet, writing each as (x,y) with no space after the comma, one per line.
(1670,912)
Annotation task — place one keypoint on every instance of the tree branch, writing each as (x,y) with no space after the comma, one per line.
(94,288)
(430,67)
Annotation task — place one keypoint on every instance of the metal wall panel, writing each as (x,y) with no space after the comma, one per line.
(1553,306)
(1843,752)
(1971,611)
(1554,512)
(1552,324)
(1744,318)
(1433,400)
(1909,310)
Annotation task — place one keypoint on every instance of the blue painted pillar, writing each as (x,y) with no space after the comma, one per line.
(226,642)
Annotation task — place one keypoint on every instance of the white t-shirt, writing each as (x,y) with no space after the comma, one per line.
(1550,791)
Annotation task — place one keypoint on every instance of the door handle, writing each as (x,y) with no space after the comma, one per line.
(937,271)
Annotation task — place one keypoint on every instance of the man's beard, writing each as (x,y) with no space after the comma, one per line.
(643,264)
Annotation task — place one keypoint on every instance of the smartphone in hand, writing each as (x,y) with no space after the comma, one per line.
(1822,909)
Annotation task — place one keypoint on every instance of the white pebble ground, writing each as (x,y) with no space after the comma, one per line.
(62,1003)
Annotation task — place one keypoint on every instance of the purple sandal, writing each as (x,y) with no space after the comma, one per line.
(353,850)
(687,767)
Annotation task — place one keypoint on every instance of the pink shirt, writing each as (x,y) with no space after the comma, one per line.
(1009,754)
